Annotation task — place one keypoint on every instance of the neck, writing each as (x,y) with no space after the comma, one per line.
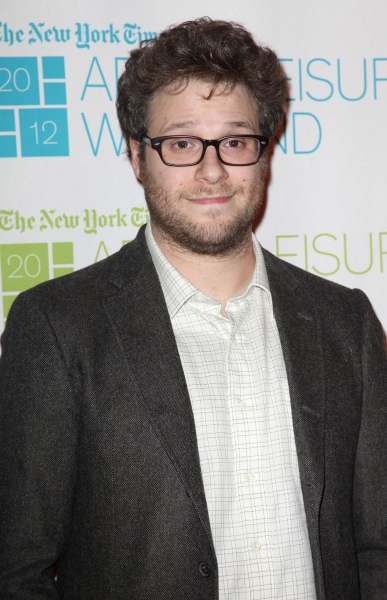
(219,277)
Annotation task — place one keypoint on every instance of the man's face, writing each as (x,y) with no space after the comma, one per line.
(207,208)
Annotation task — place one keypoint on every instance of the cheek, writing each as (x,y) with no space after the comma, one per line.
(170,178)
(175,178)
(246,177)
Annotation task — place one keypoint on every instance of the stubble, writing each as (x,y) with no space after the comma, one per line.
(217,236)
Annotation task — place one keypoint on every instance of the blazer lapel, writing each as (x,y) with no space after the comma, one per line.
(300,335)
(141,321)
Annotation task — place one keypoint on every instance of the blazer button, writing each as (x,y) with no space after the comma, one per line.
(204,569)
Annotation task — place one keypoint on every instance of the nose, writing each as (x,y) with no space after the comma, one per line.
(210,169)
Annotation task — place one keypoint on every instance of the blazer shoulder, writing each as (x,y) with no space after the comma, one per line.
(321,292)
(79,294)
(97,280)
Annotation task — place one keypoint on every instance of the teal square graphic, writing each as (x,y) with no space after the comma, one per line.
(7,120)
(8,146)
(54,93)
(53,67)
(19,83)
(44,132)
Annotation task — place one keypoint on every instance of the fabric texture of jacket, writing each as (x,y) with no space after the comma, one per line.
(99,462)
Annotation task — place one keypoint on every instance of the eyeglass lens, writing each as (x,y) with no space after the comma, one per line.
(236,150)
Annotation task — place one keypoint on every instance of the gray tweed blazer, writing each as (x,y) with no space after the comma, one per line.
(99,462)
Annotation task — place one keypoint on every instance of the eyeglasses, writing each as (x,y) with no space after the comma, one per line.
(189,150)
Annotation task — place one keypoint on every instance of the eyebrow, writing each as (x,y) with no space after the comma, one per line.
(180,125)
(187,124)
(241,124)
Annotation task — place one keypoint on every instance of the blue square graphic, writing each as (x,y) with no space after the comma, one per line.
(44,132)
(7,120)
(8,146)
(53,67)
(54,93)
(19,82)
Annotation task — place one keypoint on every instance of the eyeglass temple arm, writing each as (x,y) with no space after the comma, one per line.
(146,139)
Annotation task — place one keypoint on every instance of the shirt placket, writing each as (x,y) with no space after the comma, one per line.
(245,476)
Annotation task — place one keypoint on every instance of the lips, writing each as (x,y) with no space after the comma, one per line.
(211,200)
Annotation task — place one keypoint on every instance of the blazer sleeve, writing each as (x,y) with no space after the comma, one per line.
(38,442)
(370,481)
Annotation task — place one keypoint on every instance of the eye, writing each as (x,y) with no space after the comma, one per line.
(234,143)
(182,145)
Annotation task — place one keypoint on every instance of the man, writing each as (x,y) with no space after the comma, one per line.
(192,417)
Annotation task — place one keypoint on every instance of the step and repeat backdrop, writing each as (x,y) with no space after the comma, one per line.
(68,195)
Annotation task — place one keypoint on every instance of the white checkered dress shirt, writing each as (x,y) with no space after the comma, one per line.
(238,387)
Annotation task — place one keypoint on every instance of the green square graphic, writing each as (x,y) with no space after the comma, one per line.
(23,266)
(60,271)
(62,253)
(7,303)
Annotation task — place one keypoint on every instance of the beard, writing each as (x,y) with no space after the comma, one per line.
(218,236)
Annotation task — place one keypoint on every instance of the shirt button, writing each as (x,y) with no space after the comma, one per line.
(249,477)
(257,546)
(241,403)
(204,569)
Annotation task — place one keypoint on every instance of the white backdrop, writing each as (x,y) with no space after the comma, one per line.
(68,196)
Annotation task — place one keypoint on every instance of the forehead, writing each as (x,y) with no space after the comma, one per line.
(197,104)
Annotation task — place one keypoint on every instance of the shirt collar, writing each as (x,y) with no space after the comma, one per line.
(178,290)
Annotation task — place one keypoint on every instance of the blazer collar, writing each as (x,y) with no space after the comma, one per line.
(141,321)
(302,345)
(301,339)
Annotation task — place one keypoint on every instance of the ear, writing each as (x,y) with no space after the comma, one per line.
(135,150)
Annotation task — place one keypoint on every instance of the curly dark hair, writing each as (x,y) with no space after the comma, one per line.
(217,51)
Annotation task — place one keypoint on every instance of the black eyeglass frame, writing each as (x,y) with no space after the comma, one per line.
(155,143)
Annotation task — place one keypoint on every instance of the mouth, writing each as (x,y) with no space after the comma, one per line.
(211,200)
